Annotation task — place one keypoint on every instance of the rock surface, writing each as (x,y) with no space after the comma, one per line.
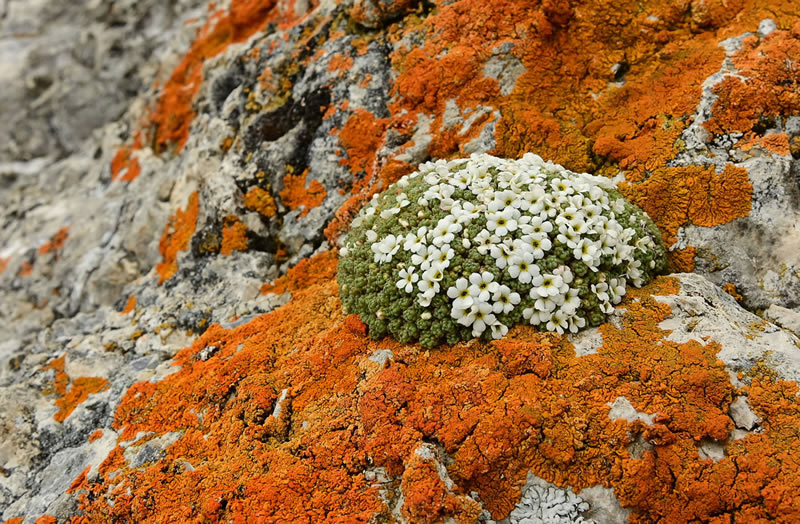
(175,179)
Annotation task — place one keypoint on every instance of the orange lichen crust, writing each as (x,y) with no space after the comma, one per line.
(289,416)
(173,114)
(81,388)
(169,123)
(307,272)
(95,435)
(25,269)
(676,196)
(765,89)
(732,291)
(129,305)
(56,242)
(234,236)
(605,86)
(361,138)
(296,195)
(260,201)
(125,164)
(4,264)
(177,235)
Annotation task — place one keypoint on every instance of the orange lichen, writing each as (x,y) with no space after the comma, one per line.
(682,260)
(15,520)
(25,269)
(361,137)
(767,86)
(172,116)
(777,143)
(81,388)
(129,305)
(296,195)
(289,412)
(124,166)
(716,199)
(96,435)
(234,236)
(567,105)
(177,235)
(307,272)
(694,194)
(731,290)
(261,201)
(46,519)
(427,498)
(56,241)
(288,415)
(4,264)
(340,63)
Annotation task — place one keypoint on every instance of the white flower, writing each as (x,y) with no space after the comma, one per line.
(445,231)
(407,279)
(567,216)
(415,240)
(563,187)
(600,290)
(634,273)
(557,322)
(461,315)
(401,202)
(435,273)
(484,240)
(616,289)
(385,249)
(481,316)
(547,285)
(571,301)
(548,205)
(462,299)
(539,246)
(427,286)
(498,330)
(531,315)
(539,226)
(504,300)
(482,285)
(575,322)
(443,256)
(566,235)
(424,300)
(522,268)
(501,255)
(424,256)
(566,275)
(545,304)
(502,222)
(587,252)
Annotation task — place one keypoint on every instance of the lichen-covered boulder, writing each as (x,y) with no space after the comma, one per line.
(177,185)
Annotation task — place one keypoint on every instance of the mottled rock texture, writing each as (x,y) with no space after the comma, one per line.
(174,181)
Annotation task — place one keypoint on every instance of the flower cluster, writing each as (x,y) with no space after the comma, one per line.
(470,247)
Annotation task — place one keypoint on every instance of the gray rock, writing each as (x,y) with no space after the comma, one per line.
(784,317)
